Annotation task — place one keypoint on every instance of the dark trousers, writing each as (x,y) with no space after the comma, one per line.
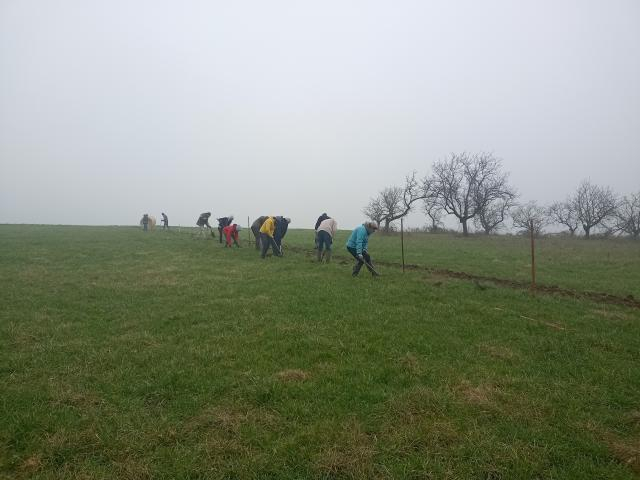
(256,235)
(359,263)
(220,233)
(267,242)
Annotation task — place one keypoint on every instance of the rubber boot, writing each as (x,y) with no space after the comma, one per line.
(356,269)
(327,256)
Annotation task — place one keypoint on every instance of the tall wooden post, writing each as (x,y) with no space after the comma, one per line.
(533,257)
(402,241)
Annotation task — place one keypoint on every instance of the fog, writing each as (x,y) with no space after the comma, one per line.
(109,110)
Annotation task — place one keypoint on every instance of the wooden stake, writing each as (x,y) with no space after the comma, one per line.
(533,257)
(402,241)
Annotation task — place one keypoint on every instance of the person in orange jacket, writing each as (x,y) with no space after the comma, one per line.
(231,232)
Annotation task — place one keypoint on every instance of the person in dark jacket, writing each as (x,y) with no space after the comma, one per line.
(165,221)
(321,219)
(224,222)
(145,221)
(255,229)
(203,221)
(282,224)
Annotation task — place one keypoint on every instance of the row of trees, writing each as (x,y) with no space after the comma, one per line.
(474,189)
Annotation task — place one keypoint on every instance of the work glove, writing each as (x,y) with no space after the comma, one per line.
(360,257)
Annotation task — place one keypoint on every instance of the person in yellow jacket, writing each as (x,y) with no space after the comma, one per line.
(267,231)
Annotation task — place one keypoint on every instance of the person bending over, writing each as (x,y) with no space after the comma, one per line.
(325,233)
(223,222)
(203,222)
(321,219)
(282,224)
(255,229)
(357,246)
(267,230)
(231,232)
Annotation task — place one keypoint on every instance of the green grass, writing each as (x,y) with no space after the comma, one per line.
(601,265)
(133,355)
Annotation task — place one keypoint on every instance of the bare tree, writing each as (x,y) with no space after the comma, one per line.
(628,215)
(392,206)
(494,214)
(530,216)
(434,213)
(464,185)
(593,205)
(374,210)
(565,214)
(393,203)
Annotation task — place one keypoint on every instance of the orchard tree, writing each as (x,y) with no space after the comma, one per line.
(565,214)
(628,215)
(434,213)
(593,205)
(490,218)
(465,185)
(530,217)
(394,203)
(374,210)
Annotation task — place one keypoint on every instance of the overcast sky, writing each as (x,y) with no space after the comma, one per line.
(110,109)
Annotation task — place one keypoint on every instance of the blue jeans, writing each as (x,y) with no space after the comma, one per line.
(324,241)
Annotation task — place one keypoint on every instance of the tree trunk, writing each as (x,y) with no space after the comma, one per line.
(465,230)
(386,225)
(586,232)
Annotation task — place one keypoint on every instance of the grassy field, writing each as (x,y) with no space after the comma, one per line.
(602,265)
(126,354)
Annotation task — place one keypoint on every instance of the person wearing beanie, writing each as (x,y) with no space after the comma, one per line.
(324,238)
(321,218)
(223,222)
(357,246)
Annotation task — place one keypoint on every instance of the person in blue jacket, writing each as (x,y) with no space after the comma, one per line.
(357,246)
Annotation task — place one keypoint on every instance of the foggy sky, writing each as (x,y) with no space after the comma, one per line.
(112,109)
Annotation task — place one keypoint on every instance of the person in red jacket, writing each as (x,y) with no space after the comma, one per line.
(231,232)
